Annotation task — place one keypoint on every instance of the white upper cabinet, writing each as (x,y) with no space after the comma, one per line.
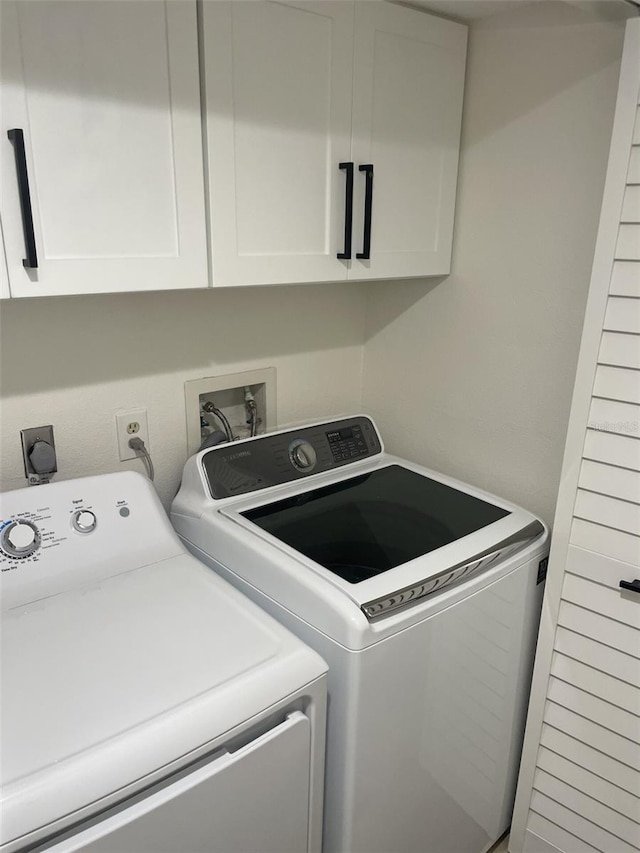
(101,163)
(278,81)
(407,110)
(300,96)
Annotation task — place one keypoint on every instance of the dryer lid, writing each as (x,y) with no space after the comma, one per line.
(111,681)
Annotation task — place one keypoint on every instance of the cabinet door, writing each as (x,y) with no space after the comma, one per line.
(407,109)
(278,82)
(107,98)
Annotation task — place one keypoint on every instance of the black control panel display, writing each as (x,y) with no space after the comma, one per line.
(347,443)
(272,459)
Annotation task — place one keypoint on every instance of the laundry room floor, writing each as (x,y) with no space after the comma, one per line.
(501,846)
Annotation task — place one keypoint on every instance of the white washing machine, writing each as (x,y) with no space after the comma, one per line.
(422,593)
(147,706)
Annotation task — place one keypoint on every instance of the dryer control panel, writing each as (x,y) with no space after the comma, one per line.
(276,458)
(67,534)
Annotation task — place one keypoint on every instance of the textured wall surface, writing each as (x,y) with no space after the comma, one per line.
(473,375)
(76,361)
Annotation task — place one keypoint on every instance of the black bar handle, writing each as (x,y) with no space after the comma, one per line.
(348,212)
(633,585)
(365,254)
(17,139)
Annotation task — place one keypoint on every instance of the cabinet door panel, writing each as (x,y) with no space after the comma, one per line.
(407,108)
(278,90)
(107,96)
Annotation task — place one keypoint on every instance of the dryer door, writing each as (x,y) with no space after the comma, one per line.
(254,799)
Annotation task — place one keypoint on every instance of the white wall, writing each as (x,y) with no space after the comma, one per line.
(473,375)
(75,361)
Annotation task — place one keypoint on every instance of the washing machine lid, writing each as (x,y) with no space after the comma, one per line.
(369,524)
(113,681)
(388,535)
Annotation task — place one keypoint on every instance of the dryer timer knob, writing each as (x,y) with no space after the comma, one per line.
(20,539)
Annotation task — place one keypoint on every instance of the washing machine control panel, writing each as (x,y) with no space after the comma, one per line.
(276,458)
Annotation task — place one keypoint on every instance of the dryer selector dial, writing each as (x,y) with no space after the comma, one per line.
(302,455)
(20,539)
(84,521)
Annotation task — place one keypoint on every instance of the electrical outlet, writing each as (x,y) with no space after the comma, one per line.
(129,425)
(38,468)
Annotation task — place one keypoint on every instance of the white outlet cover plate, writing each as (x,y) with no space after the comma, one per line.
(123,419)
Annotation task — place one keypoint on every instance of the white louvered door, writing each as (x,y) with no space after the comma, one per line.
(579,786)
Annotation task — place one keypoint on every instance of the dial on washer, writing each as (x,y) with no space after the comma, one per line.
(302,455)
(20,539)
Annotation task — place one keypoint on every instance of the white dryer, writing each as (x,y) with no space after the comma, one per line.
(422,593)
(146,705)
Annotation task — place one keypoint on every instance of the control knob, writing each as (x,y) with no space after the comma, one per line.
(20,539)
(84,521)
(302,455)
